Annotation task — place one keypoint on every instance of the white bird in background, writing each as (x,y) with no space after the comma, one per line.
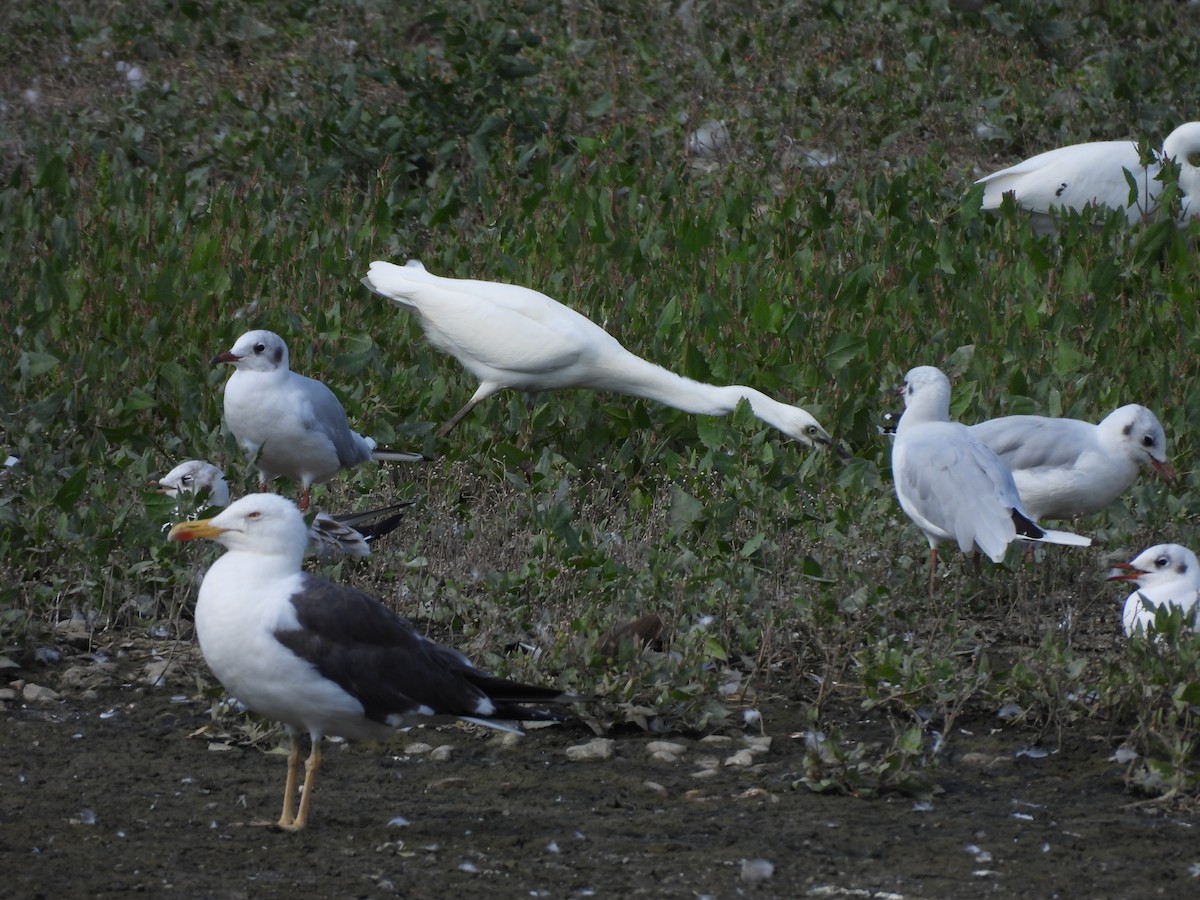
(952,486)
(1094,174)
(1067,467)
(1166,573)
(194,477)
(514,337)
(322,657)
(328,536)
(293,426)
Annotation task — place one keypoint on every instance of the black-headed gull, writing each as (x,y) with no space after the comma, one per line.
(321,657)
(517,338)
(1097,173)
(292,426)
(1166,573)
(951,485)
(329,536)
(1067,467)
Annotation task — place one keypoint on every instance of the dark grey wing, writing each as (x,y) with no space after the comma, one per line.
(375,523)
(389,667)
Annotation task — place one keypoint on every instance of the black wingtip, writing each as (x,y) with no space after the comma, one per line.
(1026,527)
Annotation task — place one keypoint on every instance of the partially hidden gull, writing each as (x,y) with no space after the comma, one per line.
(348,534)
(513,337)
(1097,173)
(292,426)
(324,658)
(1067,467)
(1164,574)
(952,486)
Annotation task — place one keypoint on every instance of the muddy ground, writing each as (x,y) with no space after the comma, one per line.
(115,787)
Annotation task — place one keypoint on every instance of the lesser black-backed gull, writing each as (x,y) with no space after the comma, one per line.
(322,657)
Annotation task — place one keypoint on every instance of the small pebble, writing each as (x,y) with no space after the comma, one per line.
(35,693)
(758,743)
(757,870)
(597,749)
(671,747)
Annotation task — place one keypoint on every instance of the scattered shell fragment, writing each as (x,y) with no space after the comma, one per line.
(757,793)
(442,753)
(742,758)
(1124,755)
(417,748)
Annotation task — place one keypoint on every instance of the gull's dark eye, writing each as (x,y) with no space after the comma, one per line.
(186,479)
(1148,440)
(254,516)
(1162,562)
(259,348)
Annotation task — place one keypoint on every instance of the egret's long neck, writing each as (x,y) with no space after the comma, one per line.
(639,378)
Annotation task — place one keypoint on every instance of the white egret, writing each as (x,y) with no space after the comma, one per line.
(514,337)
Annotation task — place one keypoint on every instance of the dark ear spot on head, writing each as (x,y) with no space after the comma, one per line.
(277,355)
(1127,429)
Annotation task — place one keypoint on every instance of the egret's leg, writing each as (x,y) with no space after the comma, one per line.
(457,417)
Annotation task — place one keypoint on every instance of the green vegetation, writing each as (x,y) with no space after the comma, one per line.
(174,173)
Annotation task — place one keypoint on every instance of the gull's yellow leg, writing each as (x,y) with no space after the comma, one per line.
(310,776)
(289,788)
